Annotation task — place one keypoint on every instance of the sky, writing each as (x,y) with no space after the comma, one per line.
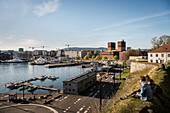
(81,23)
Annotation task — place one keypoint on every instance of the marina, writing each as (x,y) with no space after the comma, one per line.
(16,74)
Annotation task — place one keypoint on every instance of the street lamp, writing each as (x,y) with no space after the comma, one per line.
(100,95)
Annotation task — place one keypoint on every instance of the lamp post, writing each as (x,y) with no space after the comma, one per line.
(23,93)
(120,71)
(100,95)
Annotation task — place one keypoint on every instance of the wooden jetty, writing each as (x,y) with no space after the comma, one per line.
(41,87)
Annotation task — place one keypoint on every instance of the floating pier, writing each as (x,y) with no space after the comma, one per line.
(40,87)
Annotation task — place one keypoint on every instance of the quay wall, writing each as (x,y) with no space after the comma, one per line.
(138,66)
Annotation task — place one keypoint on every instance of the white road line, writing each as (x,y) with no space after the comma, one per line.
(77,101)
(66,109)
(64,98)
(87,109)
(57,99)
(80,109)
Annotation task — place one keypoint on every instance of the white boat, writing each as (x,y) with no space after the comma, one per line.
(16,60)
(39,61)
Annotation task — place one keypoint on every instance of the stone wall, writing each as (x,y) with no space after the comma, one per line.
(138,66)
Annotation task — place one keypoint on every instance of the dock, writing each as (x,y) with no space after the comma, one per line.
(41,87)
(62,65)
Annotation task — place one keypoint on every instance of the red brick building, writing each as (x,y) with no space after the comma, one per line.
(112,51)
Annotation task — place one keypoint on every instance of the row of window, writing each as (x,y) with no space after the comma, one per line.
(70,89)
(161,61)
(162,55)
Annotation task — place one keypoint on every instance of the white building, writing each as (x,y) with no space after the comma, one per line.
(160,55)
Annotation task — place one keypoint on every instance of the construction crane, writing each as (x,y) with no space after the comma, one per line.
(67,45)
(43,47)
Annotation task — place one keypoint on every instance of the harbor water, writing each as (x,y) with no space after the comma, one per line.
(14,72)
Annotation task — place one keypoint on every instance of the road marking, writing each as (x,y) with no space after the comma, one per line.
(87,109)
(92,88)
(96,93)
(64,98)
(77,101)
(80,109)
(66,109)
(57,99)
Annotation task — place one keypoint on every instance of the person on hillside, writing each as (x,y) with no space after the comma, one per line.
(150,81)
(145,92)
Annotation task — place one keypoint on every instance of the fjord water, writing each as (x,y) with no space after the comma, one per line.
(14,72)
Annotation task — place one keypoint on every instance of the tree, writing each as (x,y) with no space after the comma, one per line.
(115,57)
(110,58)
(93,57)
(89,54)
(128,53)
(98,57)
(86,57)
(104,57)
(77,57)
(157,42)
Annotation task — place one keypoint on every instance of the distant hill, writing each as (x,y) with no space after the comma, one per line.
(78,48)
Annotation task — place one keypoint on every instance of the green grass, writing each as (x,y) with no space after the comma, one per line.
(123,75)
(131,105)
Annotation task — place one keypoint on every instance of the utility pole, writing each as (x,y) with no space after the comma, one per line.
(23,93)
(100,95)
(120,71)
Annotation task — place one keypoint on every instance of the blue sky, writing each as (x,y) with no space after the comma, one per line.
(81,23)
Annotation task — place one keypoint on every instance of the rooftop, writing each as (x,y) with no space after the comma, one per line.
(81,77)
(164,48)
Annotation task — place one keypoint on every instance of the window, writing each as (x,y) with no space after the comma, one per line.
(168,55)
(150,55)
(65,84)
(156,61)
(162,55)
(156,55)
(151,60)
(73,90)
(69,89)
(69,84)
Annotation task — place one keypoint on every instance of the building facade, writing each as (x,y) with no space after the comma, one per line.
(160,55)
(112,51)
(79,83)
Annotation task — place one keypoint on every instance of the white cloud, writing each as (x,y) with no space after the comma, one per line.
(132,21)
(47,7)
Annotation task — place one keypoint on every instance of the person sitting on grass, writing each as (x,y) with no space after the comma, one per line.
(145,91)
(150,81)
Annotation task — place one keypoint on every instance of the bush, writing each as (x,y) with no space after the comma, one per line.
(86,58)
(104,57)
(77,57)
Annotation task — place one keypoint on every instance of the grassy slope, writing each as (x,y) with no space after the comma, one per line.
(132,105)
